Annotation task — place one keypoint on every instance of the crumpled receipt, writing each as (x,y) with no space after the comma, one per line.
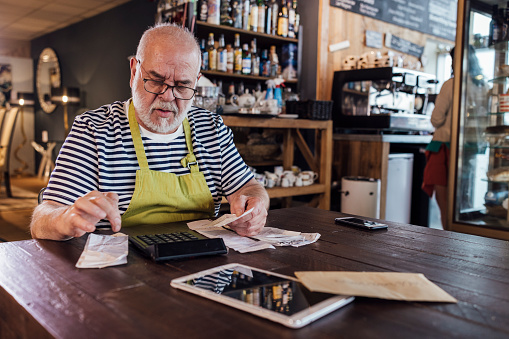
(267,238)
(104,250)
(227,218)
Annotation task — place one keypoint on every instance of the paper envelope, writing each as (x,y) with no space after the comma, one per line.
(384,285)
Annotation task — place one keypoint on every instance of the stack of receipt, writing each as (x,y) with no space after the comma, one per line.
(267,238)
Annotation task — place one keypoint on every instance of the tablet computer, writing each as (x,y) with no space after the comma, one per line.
(269,295)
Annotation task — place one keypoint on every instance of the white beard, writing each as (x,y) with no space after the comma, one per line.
(162,125)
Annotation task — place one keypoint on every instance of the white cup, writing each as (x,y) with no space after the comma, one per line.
(274,177)
(261,179)
(285,182)
(299,182)
(278,170)
(308,177)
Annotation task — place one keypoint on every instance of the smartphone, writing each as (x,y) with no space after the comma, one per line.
(361,223)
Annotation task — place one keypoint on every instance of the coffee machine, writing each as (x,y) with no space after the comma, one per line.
(387,99)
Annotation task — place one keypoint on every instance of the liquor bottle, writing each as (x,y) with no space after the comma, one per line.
(246,8)
(253,16)
(212,53)
(240,90)
(297,24)
(221,55)
(226,13)
(204,56)
(255,59)
(265,64)
(494,27)
(237,53)
(230,59)
(274,62)
(221,98)
(275,11)
(268,17)
(261,16)
(282,22)
(213,12)
(291,19)
(203,10)
(230,96)
(246,60)
(237,13)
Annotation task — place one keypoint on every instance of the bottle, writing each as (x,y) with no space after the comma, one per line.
(261,16)
(246,60)
(230,59)
(275,11)
(212,53)
(253,16)
(237,53)
(221,98)
(265,64)
(274,62)
(255,59)
(297,24)
(221,55)
(203,10)
(282,22)
(494,27)
(246,8)
(237,13)
(268,17)
(204,56)
(226,13)
(231,97)
(291,19)
(213,12)
(241,88)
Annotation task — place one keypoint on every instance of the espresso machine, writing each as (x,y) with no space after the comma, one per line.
(386,99)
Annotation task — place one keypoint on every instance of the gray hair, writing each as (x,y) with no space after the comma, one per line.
(172,32)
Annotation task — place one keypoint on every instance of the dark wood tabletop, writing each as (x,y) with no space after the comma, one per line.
(43,294)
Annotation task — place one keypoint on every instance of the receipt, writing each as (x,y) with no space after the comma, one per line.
(104,250)
(226,219)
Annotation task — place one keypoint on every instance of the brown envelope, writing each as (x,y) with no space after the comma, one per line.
(384,285)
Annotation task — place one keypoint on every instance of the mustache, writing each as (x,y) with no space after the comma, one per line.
(165,105)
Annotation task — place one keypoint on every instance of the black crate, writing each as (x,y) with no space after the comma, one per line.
(310,109)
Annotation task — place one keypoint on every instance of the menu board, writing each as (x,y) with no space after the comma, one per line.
(435,17)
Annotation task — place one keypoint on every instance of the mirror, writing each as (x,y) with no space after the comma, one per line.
(48,77)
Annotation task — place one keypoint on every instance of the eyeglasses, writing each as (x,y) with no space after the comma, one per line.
(160,87)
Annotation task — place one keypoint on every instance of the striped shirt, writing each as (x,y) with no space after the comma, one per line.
(98,154)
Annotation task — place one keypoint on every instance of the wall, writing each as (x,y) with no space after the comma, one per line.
(22,81)
(338,25)
(93,56)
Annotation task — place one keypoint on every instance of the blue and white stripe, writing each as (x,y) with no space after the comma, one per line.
(99,155)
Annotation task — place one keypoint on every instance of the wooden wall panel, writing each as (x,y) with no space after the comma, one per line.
(337,25)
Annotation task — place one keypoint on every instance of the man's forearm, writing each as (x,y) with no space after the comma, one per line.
(44,223)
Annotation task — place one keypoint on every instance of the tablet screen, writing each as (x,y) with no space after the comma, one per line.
(259,288)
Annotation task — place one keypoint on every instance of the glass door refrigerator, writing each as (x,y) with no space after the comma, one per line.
(479,178)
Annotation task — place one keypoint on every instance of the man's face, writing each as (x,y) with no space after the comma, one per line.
(163,113)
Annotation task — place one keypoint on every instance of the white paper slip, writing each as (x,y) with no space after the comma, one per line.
(279,237)
(104,250)
(227,218)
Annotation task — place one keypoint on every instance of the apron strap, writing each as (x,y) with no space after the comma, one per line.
(136,135)
(189,160)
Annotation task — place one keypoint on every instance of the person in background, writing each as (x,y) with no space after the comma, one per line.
(152,159)
(436,172)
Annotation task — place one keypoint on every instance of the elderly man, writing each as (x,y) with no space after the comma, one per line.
(153,159)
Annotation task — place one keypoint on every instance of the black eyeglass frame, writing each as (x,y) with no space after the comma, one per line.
(165,84)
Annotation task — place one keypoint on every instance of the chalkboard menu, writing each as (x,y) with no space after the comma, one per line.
(435,17)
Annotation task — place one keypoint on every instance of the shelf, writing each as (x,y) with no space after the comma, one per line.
(242,76)
(282,192)
(212,28)
(352,91)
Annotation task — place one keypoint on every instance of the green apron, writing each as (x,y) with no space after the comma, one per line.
(161,197)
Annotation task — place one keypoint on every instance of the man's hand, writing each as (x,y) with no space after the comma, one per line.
(56,221)
(251,195)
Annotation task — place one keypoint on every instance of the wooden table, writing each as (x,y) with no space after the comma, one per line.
(42,294)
